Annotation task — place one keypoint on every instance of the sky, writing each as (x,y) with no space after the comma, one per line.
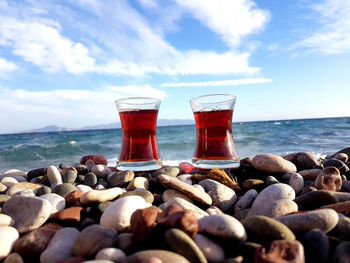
(66,62)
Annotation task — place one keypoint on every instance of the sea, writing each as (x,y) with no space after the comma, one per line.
(27,151)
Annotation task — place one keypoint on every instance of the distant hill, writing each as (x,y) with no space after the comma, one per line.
(114,125)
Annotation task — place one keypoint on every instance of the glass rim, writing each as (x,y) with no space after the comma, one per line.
(124,100)
(232,98)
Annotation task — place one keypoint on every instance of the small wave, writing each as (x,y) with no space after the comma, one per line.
(18,146)
(72,142)
(277,123)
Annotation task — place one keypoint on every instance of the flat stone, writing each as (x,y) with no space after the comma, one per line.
(189,190)
(28,212)
(19,187)
(181,243)
(138,182)
(57,202)
(118,214)
(8,238)
(112,254)
(323,219)
(60,246)
(263,229)
(54,176)
(316,199)
(34,242)
(68,215)
(222,196)
(272,163)
(147,195)
(100,196)
(172,193)
(222,226)
(302,160)
(163,255)
(185,205)
(316,245)
(211,250)
(92,239)
(246,200)
(6,220)
(329,179)
(176,217)
(262,203)
(280,251)
(342,253)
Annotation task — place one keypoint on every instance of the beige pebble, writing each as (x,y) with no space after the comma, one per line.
(100,196)
(138,182)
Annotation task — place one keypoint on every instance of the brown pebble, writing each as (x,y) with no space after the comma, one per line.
(329,179)
(253,184)
(281,251)
(152,260)
(68,215)
(310,174)
(73,198)
(342,157)
(175,216)
(143,221)
(14,258)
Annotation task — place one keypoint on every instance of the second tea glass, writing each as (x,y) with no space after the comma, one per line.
(214,141)
(139,150)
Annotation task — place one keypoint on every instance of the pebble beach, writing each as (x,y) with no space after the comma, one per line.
(272,208)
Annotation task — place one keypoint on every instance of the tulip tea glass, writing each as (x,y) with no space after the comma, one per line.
(214,141)
(139,150)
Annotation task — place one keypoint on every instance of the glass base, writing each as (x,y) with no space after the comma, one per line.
(211,164)
(139,166)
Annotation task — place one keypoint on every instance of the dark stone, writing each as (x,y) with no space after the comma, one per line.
(316,246)
(247,250)
(69,177)
(316,199)
(342,253)
(90,179)
(168,170)
(43,190)
(342,229)
(80,178)
(64,189)
(121,178)
(35,173)
(81,169)
(302,160)
(345,150)
(103,206)
(42,179)
(342,167)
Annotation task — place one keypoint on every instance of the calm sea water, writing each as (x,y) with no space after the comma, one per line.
(176,143)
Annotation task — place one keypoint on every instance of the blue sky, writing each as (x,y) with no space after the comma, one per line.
(66,62)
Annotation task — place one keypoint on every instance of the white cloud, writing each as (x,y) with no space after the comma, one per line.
(117,39)
(219,83)
(72,108)
(232,20)
(6,66)
(333,35)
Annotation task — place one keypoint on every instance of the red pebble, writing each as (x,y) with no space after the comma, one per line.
(186,168)
(68,215)
(73,198)
(98,159)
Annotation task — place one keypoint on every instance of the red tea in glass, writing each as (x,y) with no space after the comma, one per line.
(139,150)
(214,140)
